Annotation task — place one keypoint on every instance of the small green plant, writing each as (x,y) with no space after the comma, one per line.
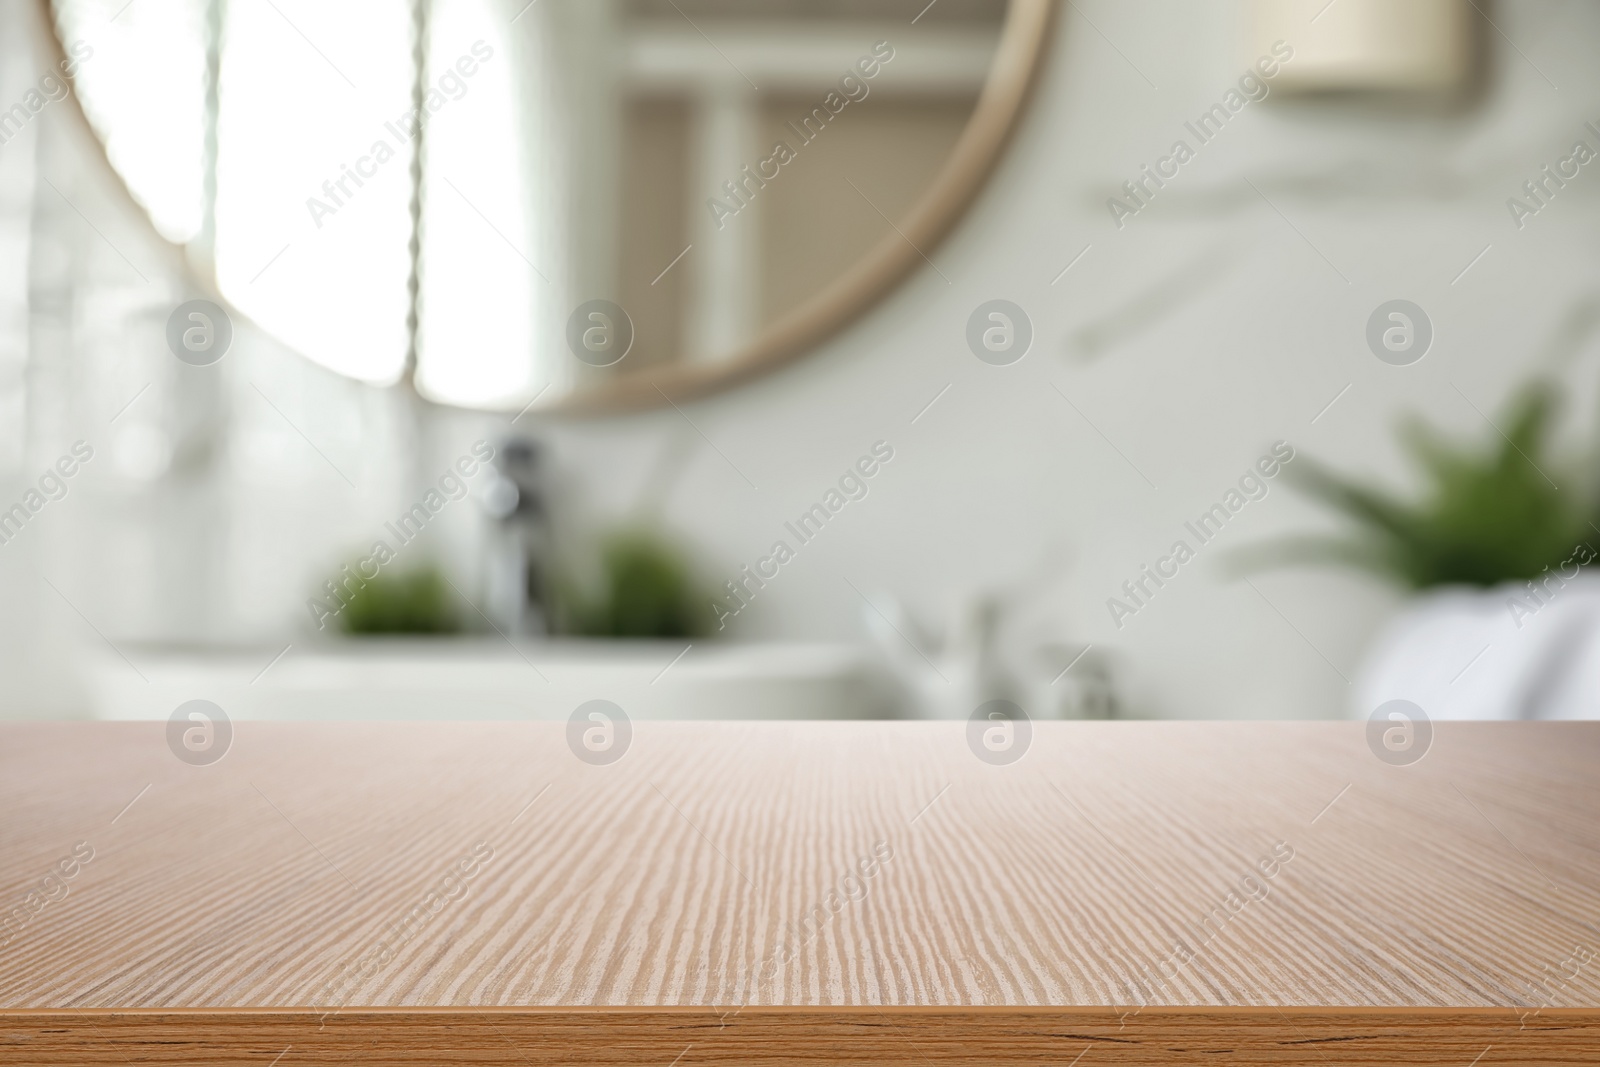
(1487,514)
(415,601)
(645,590)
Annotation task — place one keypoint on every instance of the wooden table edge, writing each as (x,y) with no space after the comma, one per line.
(887,1035)
(1473,1012)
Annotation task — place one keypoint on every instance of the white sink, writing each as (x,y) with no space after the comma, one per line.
(408,678)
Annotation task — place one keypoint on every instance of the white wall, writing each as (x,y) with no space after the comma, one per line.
(1207,328)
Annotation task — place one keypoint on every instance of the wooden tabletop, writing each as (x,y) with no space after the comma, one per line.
(799,892)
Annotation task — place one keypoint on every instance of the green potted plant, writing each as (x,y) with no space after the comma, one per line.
(413,601)
(644,589)
(1493,544)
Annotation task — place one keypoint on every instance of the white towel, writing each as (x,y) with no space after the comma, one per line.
(1464,653)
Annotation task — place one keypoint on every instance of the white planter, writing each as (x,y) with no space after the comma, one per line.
(1463,653)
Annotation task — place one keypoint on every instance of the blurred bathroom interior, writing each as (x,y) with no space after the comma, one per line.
(1291,421)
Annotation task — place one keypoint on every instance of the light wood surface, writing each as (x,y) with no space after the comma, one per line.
(678,901)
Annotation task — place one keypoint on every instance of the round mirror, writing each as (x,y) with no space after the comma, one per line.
(573,205)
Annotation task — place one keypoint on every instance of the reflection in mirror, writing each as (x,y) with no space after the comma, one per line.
(705,168)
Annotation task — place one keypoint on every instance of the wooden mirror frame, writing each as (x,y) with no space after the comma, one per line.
(1018,57)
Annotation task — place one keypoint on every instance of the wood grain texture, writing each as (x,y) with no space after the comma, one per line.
(786,892)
